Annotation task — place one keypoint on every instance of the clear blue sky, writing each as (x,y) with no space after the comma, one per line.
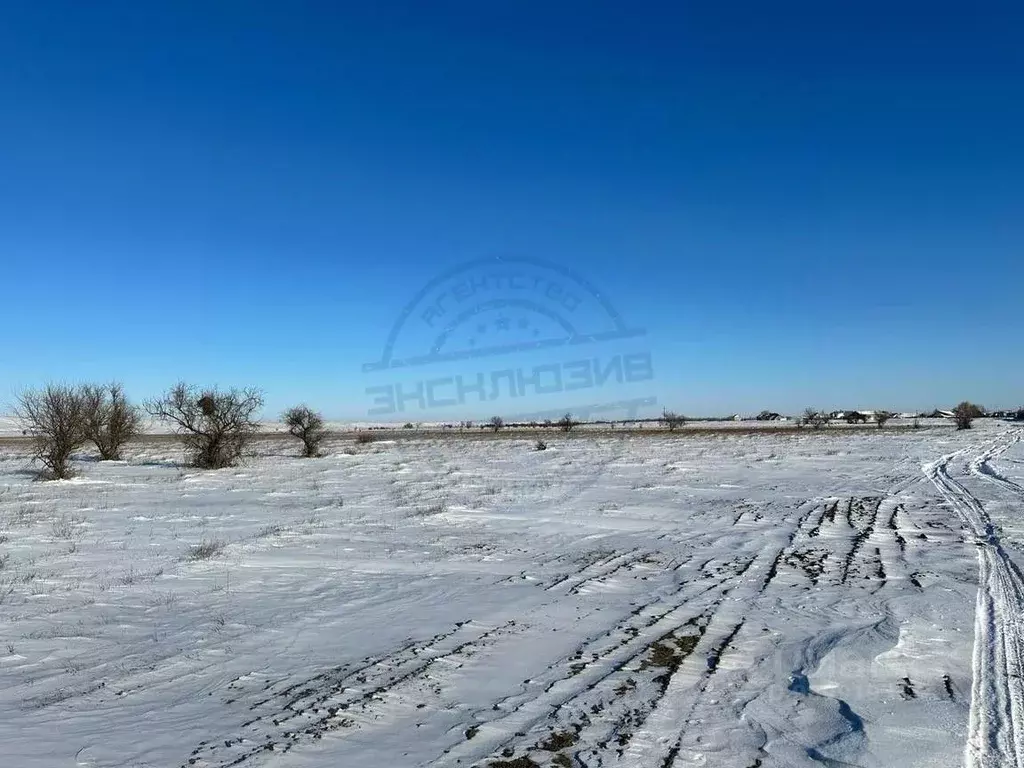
(803,203)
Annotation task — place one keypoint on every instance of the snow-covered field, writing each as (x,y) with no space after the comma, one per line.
(775,599)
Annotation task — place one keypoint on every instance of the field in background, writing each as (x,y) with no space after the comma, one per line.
(728,598)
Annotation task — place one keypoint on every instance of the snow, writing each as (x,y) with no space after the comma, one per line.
(730,599)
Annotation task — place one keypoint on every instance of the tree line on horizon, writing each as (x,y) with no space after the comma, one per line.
(216,425)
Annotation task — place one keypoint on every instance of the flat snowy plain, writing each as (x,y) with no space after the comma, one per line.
(776,599)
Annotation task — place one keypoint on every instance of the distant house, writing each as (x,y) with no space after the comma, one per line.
(1014,414)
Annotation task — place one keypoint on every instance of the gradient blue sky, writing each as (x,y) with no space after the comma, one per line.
(804,203)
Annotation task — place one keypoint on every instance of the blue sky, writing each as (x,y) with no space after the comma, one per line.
(801,203)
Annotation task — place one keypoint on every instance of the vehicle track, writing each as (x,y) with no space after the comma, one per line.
(981,467)
(285,715)
(996,725)
(616,699)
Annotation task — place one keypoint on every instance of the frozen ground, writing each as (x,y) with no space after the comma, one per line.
(712,600)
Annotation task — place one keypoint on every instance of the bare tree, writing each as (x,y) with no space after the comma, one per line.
(672,420)
(566,423)
(215,425)
(881,417)
(497,423)
(965,413)
(815,418)
(55,417)
(307,425)
(110,420)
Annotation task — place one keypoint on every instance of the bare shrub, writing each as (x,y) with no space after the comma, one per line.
(496,423)
(216,425)
(672,420)
(815,418)
(541,445)
(881,417)
(7,586)
(110,420)
(268,530)
(66,527)
(308,426)
(566,423)
(55,417)
(364,437)
(965,413)
(205,550)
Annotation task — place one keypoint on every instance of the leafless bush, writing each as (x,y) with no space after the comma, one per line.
(566,423)
(66,527)
(308,426)
(965,413)
(110,420)
(541,445)
(205,550)
(672,420)
(497,423)
(7,586)
(881,417)
(216,425)
(815,418)
(364,437)
(268,530)
(55,417)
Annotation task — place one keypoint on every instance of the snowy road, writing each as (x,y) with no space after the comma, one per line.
(718,600)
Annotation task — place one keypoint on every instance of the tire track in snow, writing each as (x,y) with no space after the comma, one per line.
(981,467)
(596,661)
(658,739)
(306,710)
(865,518)
(599,566)
(996,725)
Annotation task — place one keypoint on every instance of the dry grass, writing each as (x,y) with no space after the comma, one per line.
(205,550)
